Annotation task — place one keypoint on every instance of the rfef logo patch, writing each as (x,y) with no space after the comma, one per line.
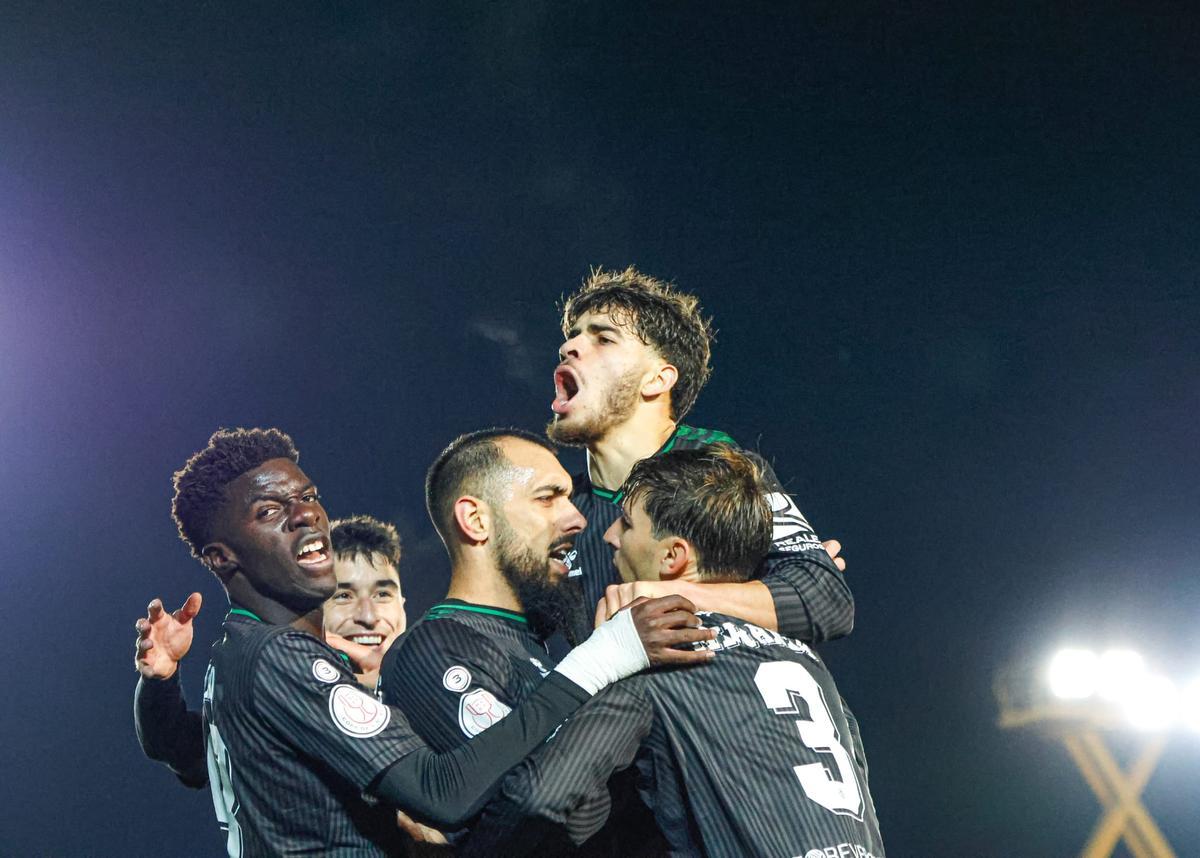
(479,710)
(357,713)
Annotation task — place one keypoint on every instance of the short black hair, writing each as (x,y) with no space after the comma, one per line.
(669,321)
(364,536)
(200,483)
(715,498)
(468,466)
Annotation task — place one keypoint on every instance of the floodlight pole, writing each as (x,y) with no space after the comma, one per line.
(1079,728)
(1119,794)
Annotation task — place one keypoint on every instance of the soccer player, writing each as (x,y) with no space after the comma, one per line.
(752,755)
(499,499)
(364,616)
(300,758)
(635,357)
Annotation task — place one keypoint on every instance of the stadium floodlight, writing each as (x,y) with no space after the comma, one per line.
(1078,698)
(1122,673)
(1074,674)
(1152,703)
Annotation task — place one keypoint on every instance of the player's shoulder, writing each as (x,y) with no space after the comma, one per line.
(691,437)
(737,635)
(437,639)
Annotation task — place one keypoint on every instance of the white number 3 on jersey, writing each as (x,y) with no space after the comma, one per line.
(779,683)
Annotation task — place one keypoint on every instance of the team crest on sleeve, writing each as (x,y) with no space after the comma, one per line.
(479,710)
(456,678)
(357,713)
(325,671)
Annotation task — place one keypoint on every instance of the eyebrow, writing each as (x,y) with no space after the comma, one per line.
(557,488)
(279,496)
(596,328)
(382,582)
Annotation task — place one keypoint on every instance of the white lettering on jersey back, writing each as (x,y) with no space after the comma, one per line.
(325,671)
(478,710)
(456,678)
(357,713)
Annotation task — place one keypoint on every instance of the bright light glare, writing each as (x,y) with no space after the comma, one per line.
(1073,674)
(1189,705)
(1153,704)
(1122,672)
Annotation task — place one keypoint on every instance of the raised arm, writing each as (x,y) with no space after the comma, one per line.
(167,730)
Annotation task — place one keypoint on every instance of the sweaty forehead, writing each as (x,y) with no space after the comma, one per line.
(273,477)
(531,466)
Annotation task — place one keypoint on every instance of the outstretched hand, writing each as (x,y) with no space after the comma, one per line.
(663,624)
(163,639)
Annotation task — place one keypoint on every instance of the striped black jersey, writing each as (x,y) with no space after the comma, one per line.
(292,742)
(298,751)
(812,601)
(461,668)
(751,754)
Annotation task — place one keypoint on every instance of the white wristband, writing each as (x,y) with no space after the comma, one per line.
(613,652)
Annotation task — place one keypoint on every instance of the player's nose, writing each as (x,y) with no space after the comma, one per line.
(573,521)
(613,535)
(365,615)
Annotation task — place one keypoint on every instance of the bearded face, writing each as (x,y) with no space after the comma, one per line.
(531,572)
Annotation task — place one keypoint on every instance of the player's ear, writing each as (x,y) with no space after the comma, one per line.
(473,519)
(220,559)
(676,558)
(661,381)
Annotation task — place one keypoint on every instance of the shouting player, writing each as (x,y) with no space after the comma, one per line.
(364,615)
(635,358)
(753,755)
(300,758)
(499,499)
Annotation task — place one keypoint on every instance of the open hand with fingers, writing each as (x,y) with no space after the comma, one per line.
(163,639)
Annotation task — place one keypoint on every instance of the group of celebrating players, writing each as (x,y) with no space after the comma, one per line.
(691,717)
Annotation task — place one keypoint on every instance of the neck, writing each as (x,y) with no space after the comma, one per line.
(241,595)
(611,458)
(475,578)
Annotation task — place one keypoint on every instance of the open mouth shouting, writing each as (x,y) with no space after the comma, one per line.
(566,385)
(558,557)
(313,550)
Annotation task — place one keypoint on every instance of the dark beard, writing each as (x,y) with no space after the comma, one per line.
(618,406)
(547,606)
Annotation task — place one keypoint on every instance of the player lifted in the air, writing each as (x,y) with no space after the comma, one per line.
(752,755)
(635,357)
(300,758)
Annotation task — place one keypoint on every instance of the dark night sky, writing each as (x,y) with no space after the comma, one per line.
(952,255)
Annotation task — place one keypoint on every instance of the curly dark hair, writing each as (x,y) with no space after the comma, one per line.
(667,320)
(200,483)
(470,464)
(715,498)
(363,536)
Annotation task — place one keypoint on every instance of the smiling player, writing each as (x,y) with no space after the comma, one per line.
(293,743)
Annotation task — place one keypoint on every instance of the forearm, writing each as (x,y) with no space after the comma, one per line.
(811,600)
(448,789)
(168,731)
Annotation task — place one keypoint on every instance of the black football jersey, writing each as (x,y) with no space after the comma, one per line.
(812,600)
(751,754)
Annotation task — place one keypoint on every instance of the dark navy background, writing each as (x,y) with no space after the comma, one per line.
(951,253)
